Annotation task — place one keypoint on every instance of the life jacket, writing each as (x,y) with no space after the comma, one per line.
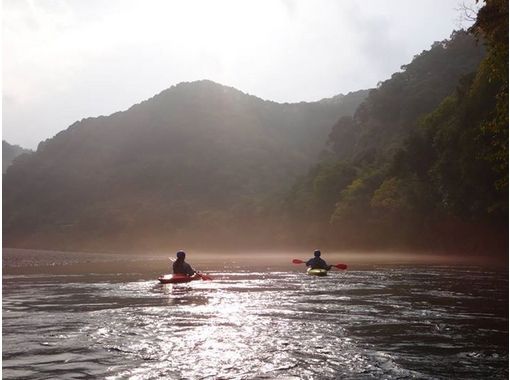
(317,263)
(182,267)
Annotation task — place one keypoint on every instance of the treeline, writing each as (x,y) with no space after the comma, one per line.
(423,162)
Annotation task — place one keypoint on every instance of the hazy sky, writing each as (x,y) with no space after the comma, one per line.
(63,60)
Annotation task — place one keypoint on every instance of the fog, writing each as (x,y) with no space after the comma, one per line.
(24,261)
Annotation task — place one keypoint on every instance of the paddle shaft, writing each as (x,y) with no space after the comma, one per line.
(338,266)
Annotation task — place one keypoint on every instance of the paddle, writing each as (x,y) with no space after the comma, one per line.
(204,277)
(339,266)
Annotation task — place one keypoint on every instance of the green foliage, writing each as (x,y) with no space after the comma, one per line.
(467,136)
(329,182)
(315,195)
(391,198)
(431,150)
(199,159)
(353,206)
(492,26)
(390,112)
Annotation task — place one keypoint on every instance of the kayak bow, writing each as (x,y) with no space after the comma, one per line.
(317,272)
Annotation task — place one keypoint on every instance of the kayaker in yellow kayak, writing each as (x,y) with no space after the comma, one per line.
(316,262)
(181,267)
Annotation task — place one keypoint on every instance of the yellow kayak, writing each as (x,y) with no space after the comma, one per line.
(317,272)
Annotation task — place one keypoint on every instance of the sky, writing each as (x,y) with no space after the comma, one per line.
(65,60)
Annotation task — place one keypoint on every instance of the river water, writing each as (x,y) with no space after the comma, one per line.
(72,316)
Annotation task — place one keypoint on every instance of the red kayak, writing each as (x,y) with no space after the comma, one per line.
(177,278)
(181,278)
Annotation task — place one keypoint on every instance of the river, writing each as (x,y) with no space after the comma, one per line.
(82,316)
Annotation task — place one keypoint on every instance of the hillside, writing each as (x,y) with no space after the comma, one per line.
(420,162)
(196,160)
(9,153)
(423,163)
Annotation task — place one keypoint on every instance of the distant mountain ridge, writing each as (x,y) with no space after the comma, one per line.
(10,152)
(196,157)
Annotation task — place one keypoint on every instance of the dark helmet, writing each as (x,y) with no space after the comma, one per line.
(181,254)
(316,253)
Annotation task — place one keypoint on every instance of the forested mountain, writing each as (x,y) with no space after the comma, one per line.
(193,164)
(420,162)
(424,160)
(380,123)
(9,153)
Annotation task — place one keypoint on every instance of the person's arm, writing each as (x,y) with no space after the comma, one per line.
(309,263)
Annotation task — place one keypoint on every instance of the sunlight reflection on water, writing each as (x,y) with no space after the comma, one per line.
(380,323)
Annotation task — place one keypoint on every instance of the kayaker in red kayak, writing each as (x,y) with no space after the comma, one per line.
(316,262)
(182,267)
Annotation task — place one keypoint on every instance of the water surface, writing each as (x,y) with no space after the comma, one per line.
(379,321)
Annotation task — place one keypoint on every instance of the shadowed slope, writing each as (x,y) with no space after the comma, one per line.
(198,157)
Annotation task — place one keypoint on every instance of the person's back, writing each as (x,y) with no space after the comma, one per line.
(316,262)
(181,267)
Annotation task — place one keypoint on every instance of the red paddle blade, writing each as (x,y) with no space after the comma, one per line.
(340,266)
(205,277)
(297,261)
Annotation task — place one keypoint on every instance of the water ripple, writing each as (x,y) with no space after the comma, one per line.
(390,323)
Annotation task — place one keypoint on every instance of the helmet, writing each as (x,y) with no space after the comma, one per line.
(316,253)
(181,254)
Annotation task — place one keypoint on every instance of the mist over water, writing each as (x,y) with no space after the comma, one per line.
(75,316)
